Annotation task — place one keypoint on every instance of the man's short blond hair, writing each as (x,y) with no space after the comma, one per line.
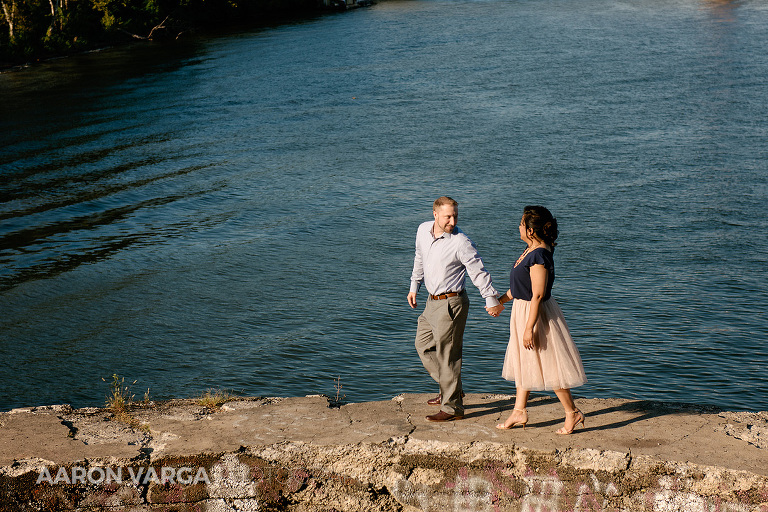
(441,201)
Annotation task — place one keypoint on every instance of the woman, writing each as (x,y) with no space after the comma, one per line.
(541,354)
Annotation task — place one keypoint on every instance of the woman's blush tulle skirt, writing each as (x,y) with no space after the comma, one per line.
(555,363)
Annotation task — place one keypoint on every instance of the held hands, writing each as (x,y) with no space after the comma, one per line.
(495,310)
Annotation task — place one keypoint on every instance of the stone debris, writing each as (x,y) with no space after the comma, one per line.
(751,427)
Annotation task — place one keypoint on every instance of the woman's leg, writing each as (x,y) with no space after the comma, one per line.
(566,399)
(519,415)
(572,414)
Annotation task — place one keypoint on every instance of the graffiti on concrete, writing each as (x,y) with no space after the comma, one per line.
(244,482)
(668,499)
(495,492)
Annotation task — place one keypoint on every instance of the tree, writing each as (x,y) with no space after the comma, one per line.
(10,14)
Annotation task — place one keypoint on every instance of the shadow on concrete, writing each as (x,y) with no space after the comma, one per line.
(643,410)
(503,405)
(640,411)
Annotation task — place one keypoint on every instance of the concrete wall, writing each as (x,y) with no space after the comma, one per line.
(401,474)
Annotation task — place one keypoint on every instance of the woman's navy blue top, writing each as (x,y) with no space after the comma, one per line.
(520,277)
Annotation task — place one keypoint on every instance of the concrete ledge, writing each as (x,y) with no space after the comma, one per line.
(303,454)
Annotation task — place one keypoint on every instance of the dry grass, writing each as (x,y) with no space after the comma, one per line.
(119,402)
(120,396)
(214,398)
(338,386)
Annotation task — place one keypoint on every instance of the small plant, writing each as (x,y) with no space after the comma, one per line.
(338,386)
(214,398)
(119,397)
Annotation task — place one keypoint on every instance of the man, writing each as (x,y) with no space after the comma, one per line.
(444,256)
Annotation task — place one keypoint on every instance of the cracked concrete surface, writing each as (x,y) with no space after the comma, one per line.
(390,456)
(679,433)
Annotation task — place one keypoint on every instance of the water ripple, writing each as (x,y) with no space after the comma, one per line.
(239,212)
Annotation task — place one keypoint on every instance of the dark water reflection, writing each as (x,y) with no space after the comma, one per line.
(238,212)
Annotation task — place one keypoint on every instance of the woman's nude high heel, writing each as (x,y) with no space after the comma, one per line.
(501,426)
(579,418)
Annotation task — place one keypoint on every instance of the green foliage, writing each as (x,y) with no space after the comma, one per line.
(33,29)
(130,15)
(36,30)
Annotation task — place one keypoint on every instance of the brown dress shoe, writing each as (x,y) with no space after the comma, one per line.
(438,400)
(444,416)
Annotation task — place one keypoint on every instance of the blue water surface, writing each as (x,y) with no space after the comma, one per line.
(239,212)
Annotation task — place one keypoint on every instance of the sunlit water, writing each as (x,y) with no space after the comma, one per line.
(239,212)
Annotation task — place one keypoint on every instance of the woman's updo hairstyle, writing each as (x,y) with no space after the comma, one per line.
(543,224)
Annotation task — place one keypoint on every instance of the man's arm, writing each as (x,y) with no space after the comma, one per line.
(478,274)
(417,275)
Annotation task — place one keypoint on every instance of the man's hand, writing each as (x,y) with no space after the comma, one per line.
(495,310)
(412,300)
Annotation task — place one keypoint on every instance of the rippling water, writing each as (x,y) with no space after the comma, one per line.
(239,212)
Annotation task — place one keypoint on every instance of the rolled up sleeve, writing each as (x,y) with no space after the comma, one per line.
(476,271)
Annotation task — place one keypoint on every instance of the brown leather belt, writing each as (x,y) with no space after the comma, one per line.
(445,295)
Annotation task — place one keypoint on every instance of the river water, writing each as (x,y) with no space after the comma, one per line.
(238,212)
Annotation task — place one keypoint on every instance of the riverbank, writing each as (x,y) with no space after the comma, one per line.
(306,454)
(34,39)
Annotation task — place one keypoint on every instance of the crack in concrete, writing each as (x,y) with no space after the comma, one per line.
(689,434)
(347,415)
(145,450)
(70,425)
(413,427)
(408,419)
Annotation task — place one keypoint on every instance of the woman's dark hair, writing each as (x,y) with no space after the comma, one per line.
(541,221)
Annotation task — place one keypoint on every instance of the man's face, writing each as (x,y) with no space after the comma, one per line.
(446,218)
